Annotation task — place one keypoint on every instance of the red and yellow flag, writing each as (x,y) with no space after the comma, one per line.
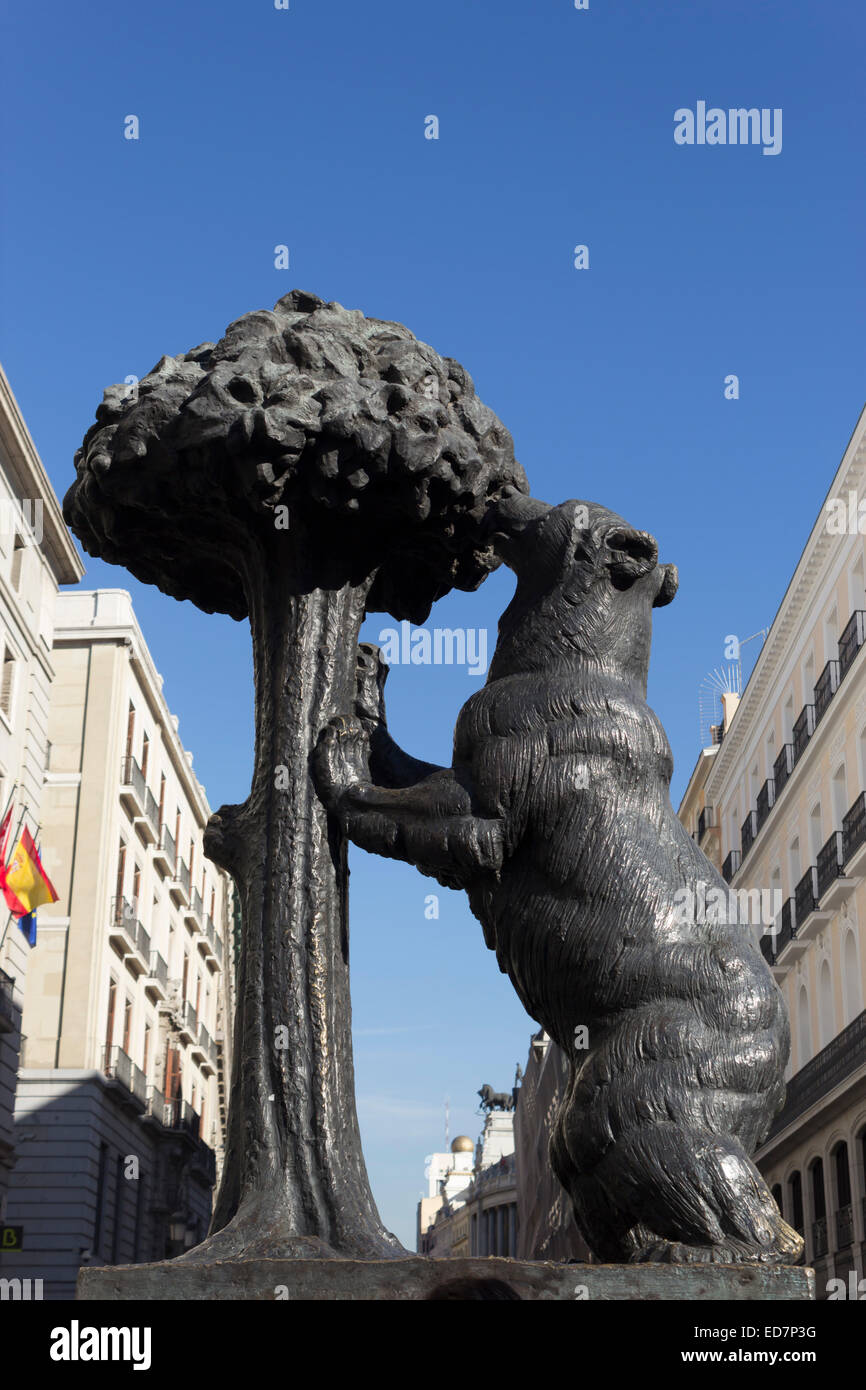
(25,883)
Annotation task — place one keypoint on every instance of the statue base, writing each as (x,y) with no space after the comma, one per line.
(417,1279)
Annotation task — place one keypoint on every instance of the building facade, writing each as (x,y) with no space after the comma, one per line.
(120,1114)
(36,556)
(471,1206)
(781,805)
(545,1219)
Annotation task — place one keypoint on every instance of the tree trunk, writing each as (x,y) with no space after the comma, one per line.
(294,1182)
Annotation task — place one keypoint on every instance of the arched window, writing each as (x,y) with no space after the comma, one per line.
(804,1028)
(851,976)
(819,1209)
(826,1011)
(842,1176)
(795,1192)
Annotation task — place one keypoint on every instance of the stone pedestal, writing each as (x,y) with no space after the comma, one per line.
(416,1278)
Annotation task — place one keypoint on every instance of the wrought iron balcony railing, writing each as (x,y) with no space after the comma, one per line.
(787,925)
(765,801)
(803,730)
(131,775)
(805,895)
(748,831)
(830,862)
(731,865)
(854,827)
(825,688)
(158,969)
(783,767)
(823,1073)
(706,820)
(851,641)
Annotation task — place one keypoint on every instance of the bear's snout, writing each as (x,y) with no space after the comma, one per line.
(668,586)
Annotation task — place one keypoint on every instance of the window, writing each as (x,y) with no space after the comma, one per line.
(109,1022)
(121,875)
(130,729)
(172,1074)
(145,750)
(185,978)
(795,1188)
(17,562)
(161,800)
(7,685)
(145,1056)
(136,887)
(127,1027)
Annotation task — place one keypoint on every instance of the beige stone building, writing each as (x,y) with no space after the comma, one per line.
(36,555)
(122,1093)
(780,804)
(471,1203)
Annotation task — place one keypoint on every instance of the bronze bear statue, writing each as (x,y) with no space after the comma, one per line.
(556,819)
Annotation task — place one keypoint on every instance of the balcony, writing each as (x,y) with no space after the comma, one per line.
(156,983)
(826,1071)
(786,939)
(851,641)
(825,688)
(132,787)
(205,1045)
(706,821)
(768,949)
(819,1237)
(128,936)
(782,768)
(198,1048)
(147,825)
(10,1014)
(854,835)
(179,1115)
(120,1068)
(806,895)
(205,941)
(844,1227)
(731,865)
(833,886)
(188,1023)
(803,730)
(165,853)
(194,913)
(179,883)
(748,831)
(218,947)
(765,801)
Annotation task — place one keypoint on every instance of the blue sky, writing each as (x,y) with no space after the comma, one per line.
(305,127)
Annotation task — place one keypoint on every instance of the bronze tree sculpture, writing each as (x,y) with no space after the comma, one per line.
(618,934)
(312,465)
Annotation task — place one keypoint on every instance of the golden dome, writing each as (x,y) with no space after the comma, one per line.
(462,1145)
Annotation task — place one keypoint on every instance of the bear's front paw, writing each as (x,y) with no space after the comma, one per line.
(341,760)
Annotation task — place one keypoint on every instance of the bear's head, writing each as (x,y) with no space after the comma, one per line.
(587,584)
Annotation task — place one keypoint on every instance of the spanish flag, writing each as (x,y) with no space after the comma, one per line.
(25,883)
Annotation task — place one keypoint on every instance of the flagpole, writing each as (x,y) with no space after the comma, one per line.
(17,833)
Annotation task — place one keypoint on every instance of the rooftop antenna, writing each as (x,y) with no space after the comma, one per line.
(724,680)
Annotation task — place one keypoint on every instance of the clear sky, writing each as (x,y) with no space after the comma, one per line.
(305,127)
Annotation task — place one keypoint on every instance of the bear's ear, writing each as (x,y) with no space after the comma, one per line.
(628,554)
